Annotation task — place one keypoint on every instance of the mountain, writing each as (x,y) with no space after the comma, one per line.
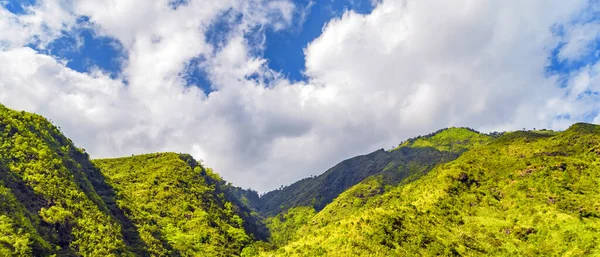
(450,139)
(54,200)
(526,193)
(48,204)
(455,192)
(179,207)
(410,159)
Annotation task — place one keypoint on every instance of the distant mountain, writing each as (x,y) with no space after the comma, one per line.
(410,159)
(526,193)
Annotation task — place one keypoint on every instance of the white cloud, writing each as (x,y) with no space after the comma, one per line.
(408,68)
(580,41)
(472,63)
(40,24)
(580,36)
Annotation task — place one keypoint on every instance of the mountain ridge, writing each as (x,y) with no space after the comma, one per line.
(394,165)
(537,195)
(455,192)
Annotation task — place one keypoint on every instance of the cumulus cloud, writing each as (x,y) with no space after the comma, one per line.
(39,25)
(581,37)
(407,68)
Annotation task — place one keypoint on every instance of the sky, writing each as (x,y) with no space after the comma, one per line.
(269,92)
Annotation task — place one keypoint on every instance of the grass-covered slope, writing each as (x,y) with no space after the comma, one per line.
(47,202)
(178,206)
(410,160)
(525,194)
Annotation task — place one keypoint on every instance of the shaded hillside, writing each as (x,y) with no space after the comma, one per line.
(410,160)
(246,198)
(180,207)
(525,194)
(47,203)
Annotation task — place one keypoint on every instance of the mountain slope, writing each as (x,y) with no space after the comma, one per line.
(178,206)
(55,201)
(48,203)
(454,192)
(410,160)
(526,193)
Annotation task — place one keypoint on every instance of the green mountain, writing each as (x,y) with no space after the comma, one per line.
(527,193)
(54,200)
(450,139)
(177,206)
(455,192)
(47,203)
(410,159)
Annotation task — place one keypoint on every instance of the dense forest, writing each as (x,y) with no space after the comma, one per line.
(455,192)
(55,201)
(526,193)
(411,159)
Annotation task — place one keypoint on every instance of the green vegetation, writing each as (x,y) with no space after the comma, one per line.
(54,200)
(48,205)
(177,206)
(409,161)
(284,225)
(527,193)
(449,139)
(455,192)
(317,192)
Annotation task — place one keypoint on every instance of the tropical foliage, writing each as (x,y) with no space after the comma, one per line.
(177,206)
(450,139)
(524,194)
(455,192)
(54,200)
(48,203)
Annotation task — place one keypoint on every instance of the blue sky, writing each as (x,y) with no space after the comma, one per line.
(18,6)
(84,49)
(284,48)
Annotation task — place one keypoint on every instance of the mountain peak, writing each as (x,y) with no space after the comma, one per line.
(582,127)
(454,139)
